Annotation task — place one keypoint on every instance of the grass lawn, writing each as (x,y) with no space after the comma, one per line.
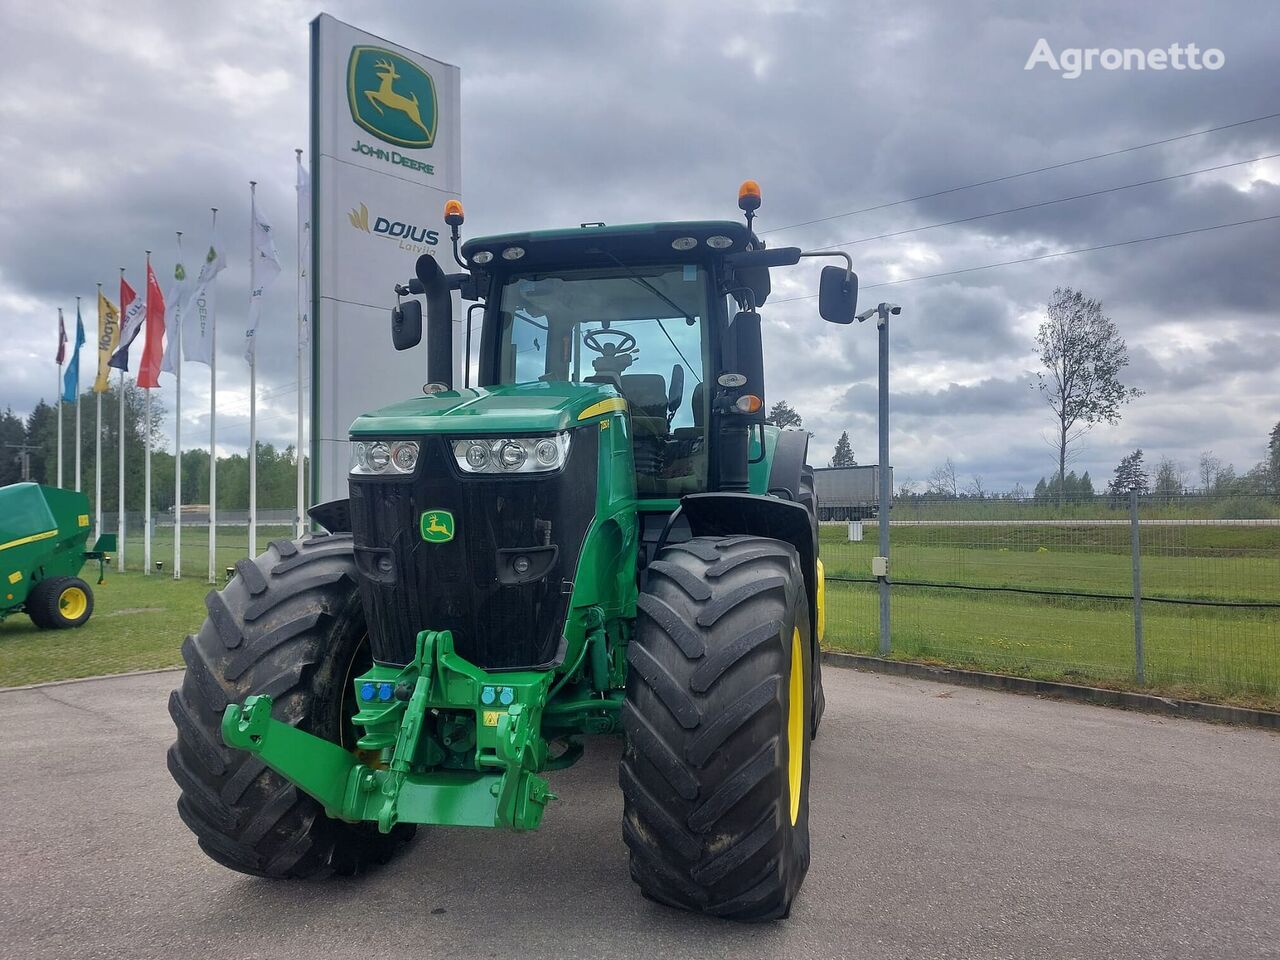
(1211,653)
(138,623)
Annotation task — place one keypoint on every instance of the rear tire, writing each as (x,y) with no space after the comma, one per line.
(289,624)
(715,774)
(808,498)
(60,603)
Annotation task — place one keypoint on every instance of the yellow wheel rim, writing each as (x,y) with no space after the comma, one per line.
(73,602)
(795,726)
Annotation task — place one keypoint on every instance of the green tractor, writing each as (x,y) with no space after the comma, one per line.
(600,536)
(43,532)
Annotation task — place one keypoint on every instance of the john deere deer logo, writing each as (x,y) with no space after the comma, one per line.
(437,526)
(391,97)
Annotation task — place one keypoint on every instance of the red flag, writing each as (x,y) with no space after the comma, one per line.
(62,340)
(153,349)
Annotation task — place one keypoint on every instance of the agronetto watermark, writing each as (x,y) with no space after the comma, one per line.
(1072,62)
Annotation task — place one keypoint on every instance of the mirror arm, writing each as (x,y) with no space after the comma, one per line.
(848,260)
(751,304)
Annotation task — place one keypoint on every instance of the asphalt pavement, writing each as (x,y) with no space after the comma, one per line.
(947,822)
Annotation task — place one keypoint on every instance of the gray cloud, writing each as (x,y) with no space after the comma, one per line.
(586,111)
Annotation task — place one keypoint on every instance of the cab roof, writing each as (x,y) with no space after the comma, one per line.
(594,243)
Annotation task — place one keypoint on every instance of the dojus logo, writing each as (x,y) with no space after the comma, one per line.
(391,97)
(437,526)
(407,233)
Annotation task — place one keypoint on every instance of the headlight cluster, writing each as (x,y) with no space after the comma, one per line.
(512,455)
(383,457)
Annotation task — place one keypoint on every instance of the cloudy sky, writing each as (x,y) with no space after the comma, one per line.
(120,124)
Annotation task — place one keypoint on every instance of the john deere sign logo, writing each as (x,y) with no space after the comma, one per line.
(437,526)
(391,97)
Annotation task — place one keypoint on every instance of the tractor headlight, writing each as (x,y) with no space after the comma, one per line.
(511,454)
(383,457)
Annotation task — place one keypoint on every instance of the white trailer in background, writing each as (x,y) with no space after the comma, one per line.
(847,493)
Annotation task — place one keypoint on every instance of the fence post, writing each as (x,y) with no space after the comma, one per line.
(1139,655)
(884,498)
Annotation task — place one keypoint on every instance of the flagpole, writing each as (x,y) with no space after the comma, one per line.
(301,511)
(146,468)
(253,389)
(78,329)
(59,395)
(177,428)
(121,445)
(97,440)
(213,428)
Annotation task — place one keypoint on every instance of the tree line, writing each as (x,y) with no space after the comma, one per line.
(37,434)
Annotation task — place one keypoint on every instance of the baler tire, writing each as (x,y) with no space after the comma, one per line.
(44,604)
(715,816)
(289,624)
(809,498)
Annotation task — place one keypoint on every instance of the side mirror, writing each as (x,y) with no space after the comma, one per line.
(838,295)
(675,393)
(406,325)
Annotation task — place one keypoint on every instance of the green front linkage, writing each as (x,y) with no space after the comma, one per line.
(458,746)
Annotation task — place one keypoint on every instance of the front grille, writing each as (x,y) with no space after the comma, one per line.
(409,585)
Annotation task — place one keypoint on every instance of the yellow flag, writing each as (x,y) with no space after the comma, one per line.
(108,339)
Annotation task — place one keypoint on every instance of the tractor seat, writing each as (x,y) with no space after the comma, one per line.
(699,415)
(646,394)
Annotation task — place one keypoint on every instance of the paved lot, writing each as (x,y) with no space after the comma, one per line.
(947,823)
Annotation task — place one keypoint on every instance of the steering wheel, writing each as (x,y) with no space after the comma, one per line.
(624,344)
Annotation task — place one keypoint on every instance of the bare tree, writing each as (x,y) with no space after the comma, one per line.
(1170,479)
(1210,469)
(976,487)
(944,481)
(1083,355)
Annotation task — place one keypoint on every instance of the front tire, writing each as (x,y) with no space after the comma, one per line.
(715,774)
(289,624)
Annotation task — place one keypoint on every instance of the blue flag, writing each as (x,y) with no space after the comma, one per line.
(71,379)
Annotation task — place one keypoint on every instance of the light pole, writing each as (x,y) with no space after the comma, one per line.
(880,564)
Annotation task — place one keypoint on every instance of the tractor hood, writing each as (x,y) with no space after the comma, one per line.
(507,408)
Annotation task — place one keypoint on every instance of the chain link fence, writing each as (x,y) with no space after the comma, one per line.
(1181,595)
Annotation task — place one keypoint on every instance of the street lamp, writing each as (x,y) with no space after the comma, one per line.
(880,564)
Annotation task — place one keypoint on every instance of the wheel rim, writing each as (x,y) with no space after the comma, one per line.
(795,726)
(73,602)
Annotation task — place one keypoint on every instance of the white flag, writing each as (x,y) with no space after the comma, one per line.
(266,267)
(304,252)
(197,331)
(175,304)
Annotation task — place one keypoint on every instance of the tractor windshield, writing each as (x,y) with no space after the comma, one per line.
(641,329)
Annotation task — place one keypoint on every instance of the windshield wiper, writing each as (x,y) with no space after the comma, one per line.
(636,278)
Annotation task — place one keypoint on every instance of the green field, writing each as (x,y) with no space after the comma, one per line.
(1225,654)
(138,623)
(1230,654)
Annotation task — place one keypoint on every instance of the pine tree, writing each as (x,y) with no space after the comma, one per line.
(783,416)
(1129,476)
(843,455)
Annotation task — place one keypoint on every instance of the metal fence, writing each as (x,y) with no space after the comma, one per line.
(231,542)
(1180,595)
